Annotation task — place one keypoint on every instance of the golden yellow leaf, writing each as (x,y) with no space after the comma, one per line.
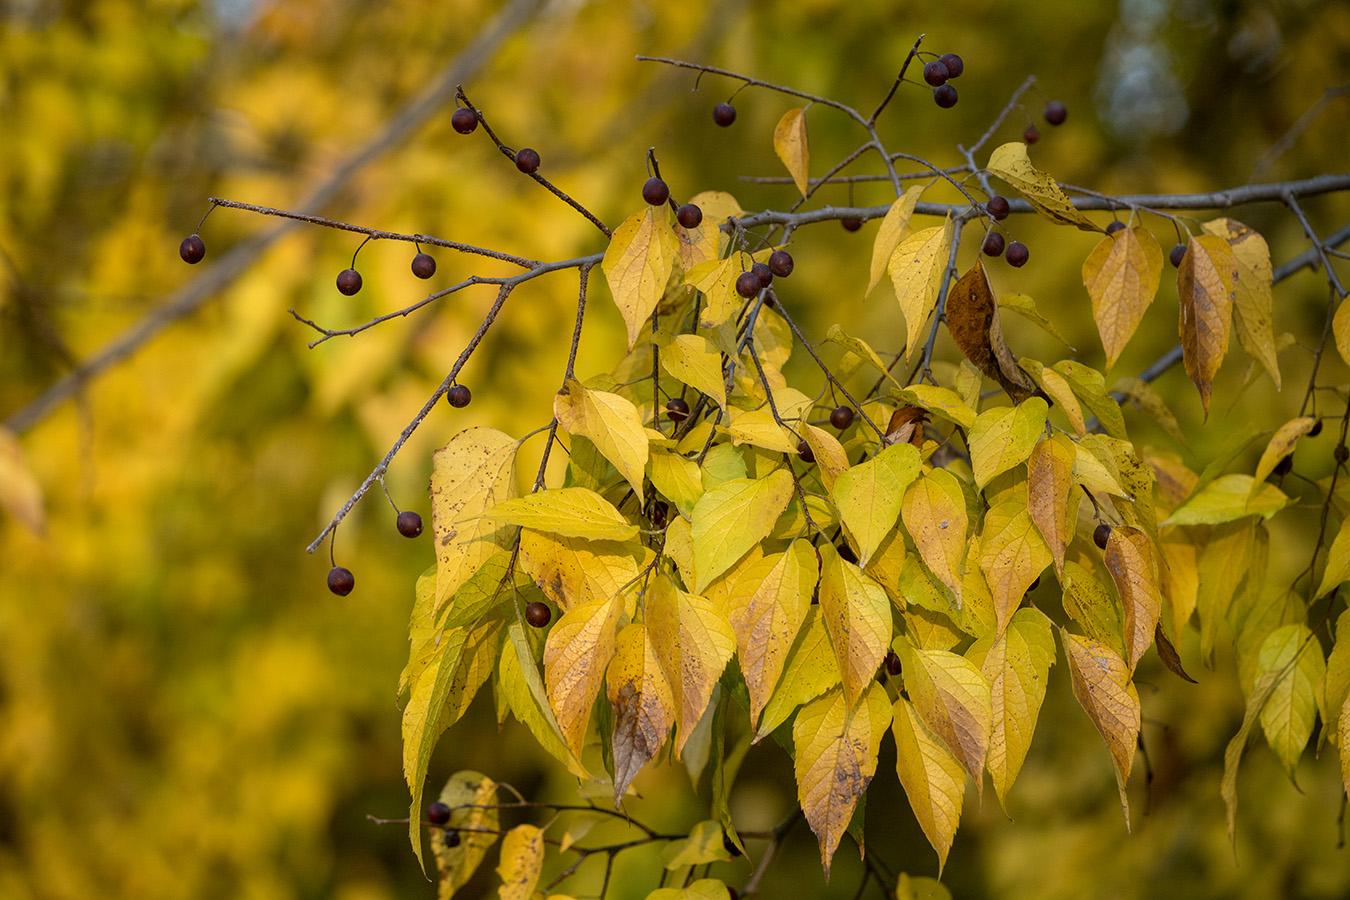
(869,495)
(829,453)
(1253,302)
(1049,480)
(716,278)
(1057,387)
(1133,566)
(469,795)
(893,228)
(1101,682)
(644,707)
(1281,444)
(1340,328)
(522,690)
(811,671)
(20,493)
(766,603)
(836,756)
(733,517)
(471,474)
(1121,275)
(1025,306)
(1004,436)
(758,428)
(1011,163)
(917,268)
(577,652)
(522,859)
(939,401)
(932,777)
(1206,281)
(638,263)
(570,512)
(1088,603)
(934,513)
(702,889)
(1090,387)
(692,359)
(1012,555)
(952,698)
(1335,684)
(693,642)
(608,421)
(857,615)
(706,241)
(1227,498)
(1181,576)
(789,142)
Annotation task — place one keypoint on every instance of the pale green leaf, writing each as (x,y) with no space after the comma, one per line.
(1004,436)
(733,517)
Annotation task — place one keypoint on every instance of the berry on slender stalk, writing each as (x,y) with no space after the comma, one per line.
(676,409)
(1116,225)
(781,263)
(1018,254)
(349,281)
(192,249)
(1056,112)
(997,207)
(1031,135)
(655,191)
(1101,535)
(341,581)
(851,223)
(805,453)
(993,244)
(847,555)
(841,417)
(527,161)
(438,813)
(1284,466)
(538,614)
(763,273)
(724,114)
(659,514)
(423,265)
(1341,453)
(409,524)
(464,120)
(458,396)
(935,73)
(954,64)
(689,215)
(1177,255)
(451,837)
(945,96)
(747,285)
(730,846)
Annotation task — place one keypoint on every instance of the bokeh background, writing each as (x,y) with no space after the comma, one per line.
(186,712)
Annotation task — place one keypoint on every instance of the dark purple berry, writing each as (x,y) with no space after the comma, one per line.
(676,409)
(464,120)
(935,73)
(1031,135)
(538,614)
(451,837)
(993,244)
(847,555)
(1316,429)
(805,453)
(438,813)
(1101,535)
(658,514)
(851,223)
(423,265)
(892,663)
(997,207)
(349,281)
(655,191)
(780,263)
(409,524)
(1056,112)
(1177,255)
(1116,225)
(747,285)
(1018,254)
(763,273)
(1284,466)
(724,114)
(841,417)
(945,96)
(458,396)
(527,161)
(689,215)
(953,63)
(1341,453)
(341,581)
(192,249)
(730,846)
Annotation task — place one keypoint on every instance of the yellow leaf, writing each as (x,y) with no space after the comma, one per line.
(1049,479)
(1224,560)
(1228,498)
(1130,560)
(766,603)
(693,642)
(939,401)
(1253,302)
(1057,387)
(758,428)
(1101,682)
(829,453)
(1281,445)
(1335,684)
(1295,656)
(1004,436)
(869,495)
(893,228)
(1025,306)
(610,422)
(703,845)
(837,335)
(698,245)
(643,705)
(1340,327)
(1088,603)
(1181,577)
(1016,665)
(917,268)
(857,614)
(716,278)
(934,513)
(920,888)
(1011,163)
(469,795)
(638,263)
(932,777)
(1090,387)
(836,756)
(570,512)
(471,474)
(576,654)
(677,479)
(1206,281)
(811,671)
(522,859)
(789,142)
(1121,275)
(572,571)
(952,698)
(679,547)
(703,889)
(20,493)
(692,359)
(523,691)
(733,517)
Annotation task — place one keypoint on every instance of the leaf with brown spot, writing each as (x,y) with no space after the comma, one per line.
(857,615)
(953,700)
(576,655)
(1012,555)
(972,320)
(933,779)
(1011,163)
(693,641)
(1101,682)
(1281,444)
(637,265)
(934,513)
(643,706)
(1205,282)
(1133,566)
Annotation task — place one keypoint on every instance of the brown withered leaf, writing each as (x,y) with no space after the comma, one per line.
(1170,657)
(906,426)
(1205,283)
(972,319)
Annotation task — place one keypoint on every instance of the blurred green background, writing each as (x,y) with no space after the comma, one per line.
(186,712)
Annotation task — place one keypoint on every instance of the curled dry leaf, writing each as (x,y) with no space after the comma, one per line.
(972,319)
